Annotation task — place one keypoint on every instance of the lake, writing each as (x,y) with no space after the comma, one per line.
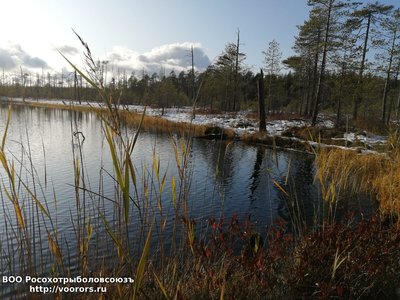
(223,179)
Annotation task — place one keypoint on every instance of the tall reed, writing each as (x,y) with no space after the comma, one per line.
(149,205)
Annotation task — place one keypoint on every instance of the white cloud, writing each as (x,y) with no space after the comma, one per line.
(169,57)
(13,57)
(68,50)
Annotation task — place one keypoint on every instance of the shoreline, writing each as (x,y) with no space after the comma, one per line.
(281,133)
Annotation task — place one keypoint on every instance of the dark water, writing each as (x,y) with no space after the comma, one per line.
(226,178)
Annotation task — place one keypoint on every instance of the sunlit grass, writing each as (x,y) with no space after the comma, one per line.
(343,173)
(134,118)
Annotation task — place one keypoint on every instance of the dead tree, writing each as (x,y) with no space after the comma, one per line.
(261,103)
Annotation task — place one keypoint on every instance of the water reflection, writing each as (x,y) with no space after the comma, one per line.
(227,178)
(228,173)
(255,176)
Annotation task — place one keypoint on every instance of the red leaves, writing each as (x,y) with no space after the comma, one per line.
(341,260)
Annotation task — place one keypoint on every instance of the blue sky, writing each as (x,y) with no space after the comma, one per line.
(146,34)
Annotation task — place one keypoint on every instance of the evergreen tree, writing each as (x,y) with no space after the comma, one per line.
(230,66)
(363,20)
(272,66)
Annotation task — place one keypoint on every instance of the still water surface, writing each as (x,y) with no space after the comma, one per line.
(226,178)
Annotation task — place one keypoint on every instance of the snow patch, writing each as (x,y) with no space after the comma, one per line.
(238,122)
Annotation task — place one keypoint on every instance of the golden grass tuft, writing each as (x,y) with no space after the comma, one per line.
(134,118)
(348,170)
(387,187)
(162,124)
(343,172)
(65,106)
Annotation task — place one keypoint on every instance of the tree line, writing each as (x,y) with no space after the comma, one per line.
(346,62)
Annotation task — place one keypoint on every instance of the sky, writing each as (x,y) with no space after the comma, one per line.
(137,35)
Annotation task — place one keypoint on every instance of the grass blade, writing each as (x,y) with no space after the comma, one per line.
(54,247)
(276,183)
(142,263)
(173,188)
(42,208)
(162,287)
(3,142)
(125,188)
(117,242)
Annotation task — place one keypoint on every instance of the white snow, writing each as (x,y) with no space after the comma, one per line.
(368,139)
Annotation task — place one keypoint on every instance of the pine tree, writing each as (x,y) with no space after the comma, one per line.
(272,66)
(363,20)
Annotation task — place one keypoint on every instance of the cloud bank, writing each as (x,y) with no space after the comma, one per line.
(13,57)
(176,57)
(68,50)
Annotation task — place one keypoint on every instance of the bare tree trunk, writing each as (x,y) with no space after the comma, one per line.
(398,97)
(321,78)
(193,92)
(386,87)
(261,103)
(390,109)
(235,80)
(312,95)
(358,97)
(341,84)
(309,93)
(398,107)
(339,105)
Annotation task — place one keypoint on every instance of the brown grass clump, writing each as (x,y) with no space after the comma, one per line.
(387,187)
(348,170)
(162,124)
(343,172)
(134,118)
(66,106)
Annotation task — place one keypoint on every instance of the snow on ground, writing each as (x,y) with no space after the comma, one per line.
(367,138)
(238,121)
(277,127)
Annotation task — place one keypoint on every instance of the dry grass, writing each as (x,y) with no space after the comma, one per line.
(162,124)
(134,118)
(348,170)
(65,106)
(343,172)
(387,187)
